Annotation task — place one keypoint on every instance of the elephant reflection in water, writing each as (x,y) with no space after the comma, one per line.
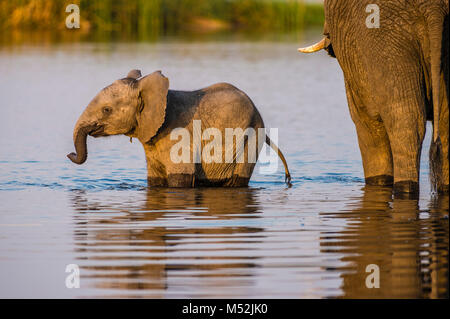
(125,251)
(410,250)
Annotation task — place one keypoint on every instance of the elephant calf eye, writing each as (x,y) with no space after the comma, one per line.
(107,110)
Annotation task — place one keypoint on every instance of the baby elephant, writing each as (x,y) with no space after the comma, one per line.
(182,132)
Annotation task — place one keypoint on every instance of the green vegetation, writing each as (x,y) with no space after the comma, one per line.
(149,19)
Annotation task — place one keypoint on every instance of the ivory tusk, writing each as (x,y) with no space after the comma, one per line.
(313,48)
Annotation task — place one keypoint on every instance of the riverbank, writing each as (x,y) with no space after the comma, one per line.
(104,20)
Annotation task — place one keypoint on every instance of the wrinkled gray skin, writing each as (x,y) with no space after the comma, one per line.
(146,109)
(396,79)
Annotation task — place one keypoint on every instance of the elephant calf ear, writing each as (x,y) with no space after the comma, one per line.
(134,74)
(153,91)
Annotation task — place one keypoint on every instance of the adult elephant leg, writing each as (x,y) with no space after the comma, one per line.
(405,123)
(443,186)
(373,144)
(375,153)
(439,160)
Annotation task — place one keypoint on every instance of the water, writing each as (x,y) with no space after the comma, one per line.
(313,240)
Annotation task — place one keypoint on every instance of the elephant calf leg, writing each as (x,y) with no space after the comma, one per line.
(181,180)
(241,173)
(156,181)
(237,181)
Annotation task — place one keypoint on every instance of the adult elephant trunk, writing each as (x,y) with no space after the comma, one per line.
(80,133)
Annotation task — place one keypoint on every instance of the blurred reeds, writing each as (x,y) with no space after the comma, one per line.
(149,19)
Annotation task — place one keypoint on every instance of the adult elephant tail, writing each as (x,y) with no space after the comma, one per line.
(287,178)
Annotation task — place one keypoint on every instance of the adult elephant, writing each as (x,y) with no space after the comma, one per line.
(394,56)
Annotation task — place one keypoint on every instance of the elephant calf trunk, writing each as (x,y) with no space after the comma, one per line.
(80,137)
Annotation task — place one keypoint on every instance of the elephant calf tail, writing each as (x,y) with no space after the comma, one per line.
(287,178)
